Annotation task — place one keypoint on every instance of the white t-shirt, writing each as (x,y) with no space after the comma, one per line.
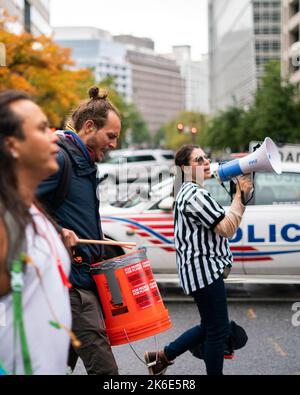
(48,347)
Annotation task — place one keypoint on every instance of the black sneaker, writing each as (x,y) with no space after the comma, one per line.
(157,362)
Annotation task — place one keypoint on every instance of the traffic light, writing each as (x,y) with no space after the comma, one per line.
(194,130)
(180,127)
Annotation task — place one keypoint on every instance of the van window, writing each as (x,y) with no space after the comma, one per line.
(218,192)
(277,189)
(116,160)
(140,158)
(168,156)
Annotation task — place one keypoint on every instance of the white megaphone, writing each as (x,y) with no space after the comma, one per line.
(264,159)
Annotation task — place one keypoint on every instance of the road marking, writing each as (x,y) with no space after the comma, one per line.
(278,347)
(251,314)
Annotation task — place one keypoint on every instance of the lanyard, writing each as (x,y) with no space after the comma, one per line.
(17,284)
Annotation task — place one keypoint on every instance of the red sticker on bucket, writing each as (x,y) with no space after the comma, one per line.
(143,285)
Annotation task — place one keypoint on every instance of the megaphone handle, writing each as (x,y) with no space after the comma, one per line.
(233,183)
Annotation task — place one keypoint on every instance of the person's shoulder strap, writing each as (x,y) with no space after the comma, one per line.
(16,245)
(64,182)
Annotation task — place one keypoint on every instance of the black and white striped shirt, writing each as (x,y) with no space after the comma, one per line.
(201,254)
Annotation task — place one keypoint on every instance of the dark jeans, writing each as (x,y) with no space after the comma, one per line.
(213,331)
(89,327)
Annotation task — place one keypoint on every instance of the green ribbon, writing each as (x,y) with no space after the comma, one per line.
(17,284)
(3,372)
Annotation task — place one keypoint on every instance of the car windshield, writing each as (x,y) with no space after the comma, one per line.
(168,156)
(271,189)
(140,195)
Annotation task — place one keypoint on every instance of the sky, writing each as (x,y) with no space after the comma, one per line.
(166,22)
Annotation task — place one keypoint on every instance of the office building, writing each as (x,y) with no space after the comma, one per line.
(243,36)
(95,49)
(195,76)
(31,15)
(291,41)
(157,85)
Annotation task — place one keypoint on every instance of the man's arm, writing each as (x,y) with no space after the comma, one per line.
(4,275)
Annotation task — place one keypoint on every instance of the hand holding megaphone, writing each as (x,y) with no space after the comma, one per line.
(264,159)
(244,187)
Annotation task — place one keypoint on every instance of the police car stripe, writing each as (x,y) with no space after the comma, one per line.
(151,231)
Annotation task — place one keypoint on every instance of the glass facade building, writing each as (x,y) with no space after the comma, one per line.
(243,36)
(32,15)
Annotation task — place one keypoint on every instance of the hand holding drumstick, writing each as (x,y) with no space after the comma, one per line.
(72,240)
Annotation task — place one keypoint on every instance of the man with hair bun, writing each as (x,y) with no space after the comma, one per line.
(95,129)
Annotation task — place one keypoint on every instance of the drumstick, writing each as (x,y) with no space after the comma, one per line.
(106,242)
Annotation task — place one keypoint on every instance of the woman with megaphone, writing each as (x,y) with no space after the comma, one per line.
(202,230)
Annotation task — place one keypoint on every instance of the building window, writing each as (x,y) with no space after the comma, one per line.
(267,30)
(27,16)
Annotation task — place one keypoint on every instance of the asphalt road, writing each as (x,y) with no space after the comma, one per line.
(273,346)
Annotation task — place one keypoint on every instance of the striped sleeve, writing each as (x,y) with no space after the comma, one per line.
(205,209)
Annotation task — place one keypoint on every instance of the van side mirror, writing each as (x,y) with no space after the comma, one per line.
(166,204)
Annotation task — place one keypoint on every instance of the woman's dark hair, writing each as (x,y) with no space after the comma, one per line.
(11,126)
(182,158)
(96,109)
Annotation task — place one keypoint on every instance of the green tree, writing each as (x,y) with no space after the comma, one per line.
(224,130)
(275,112)
(159,138)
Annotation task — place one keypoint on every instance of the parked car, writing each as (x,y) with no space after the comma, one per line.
(130,165)
(266,246)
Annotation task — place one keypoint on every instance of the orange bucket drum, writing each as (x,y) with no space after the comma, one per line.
(131,301)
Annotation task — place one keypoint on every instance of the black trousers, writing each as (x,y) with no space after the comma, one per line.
(89,327)
(212,332)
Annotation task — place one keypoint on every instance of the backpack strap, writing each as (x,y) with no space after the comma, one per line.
(65,179)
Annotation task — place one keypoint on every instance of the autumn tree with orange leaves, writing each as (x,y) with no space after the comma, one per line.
(43,69)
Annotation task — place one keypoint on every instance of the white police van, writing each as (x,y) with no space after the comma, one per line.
(266,247)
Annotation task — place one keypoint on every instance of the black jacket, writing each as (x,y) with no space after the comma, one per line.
(78,212)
